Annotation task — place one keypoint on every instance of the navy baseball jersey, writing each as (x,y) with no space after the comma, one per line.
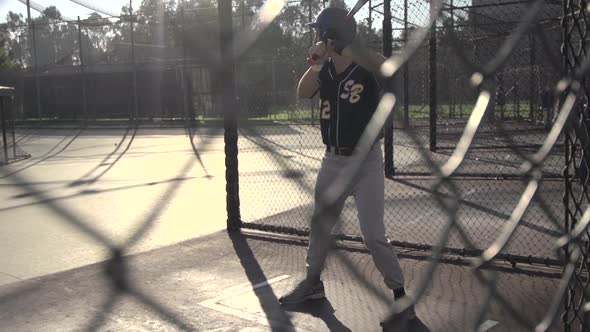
(347,103)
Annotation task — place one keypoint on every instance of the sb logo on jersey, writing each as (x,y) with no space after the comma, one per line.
(352,92)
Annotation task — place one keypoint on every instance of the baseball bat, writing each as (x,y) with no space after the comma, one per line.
(357,6)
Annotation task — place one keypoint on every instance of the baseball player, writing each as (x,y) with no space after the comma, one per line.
(349,95)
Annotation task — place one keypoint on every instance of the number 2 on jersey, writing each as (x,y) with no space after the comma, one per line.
(325,112)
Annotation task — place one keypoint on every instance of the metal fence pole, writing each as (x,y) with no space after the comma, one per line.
(406,72)
(35,64)
(186,74)
(570,294)
(476,37)
(533,62)
(135,99)
(3,125)
(83,72)
(432,61)
(450,99)
(183,67)
(275,100)
(226,90)
(387,52)
(311,38)
(500,98)
(370,19)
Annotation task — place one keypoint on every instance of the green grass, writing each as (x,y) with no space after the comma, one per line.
(445,111)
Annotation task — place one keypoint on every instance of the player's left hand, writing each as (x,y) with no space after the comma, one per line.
(318,54)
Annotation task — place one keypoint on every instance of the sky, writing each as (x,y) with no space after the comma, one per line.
(72,10)
(66,7)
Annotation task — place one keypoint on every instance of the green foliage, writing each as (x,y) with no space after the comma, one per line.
(12,36)
(6,61)
(163,30)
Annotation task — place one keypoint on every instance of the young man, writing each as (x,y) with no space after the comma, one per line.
(349,95)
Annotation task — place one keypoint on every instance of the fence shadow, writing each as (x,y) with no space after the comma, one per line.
(278,320)
(323,310)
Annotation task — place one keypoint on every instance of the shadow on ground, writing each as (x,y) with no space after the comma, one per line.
(231,282)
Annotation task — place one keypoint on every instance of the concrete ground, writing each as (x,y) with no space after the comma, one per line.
(108,183)
(87,196)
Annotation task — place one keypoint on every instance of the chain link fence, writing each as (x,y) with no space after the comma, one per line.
(491,174)
(515,149)
(11,151)
(575,57)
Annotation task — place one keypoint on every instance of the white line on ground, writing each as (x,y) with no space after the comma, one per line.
(215,304)
(488,324)
(244,288)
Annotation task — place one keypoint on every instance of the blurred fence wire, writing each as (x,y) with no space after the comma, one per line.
(478,92)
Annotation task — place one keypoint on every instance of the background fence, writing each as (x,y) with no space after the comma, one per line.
(10,150)
(491,178)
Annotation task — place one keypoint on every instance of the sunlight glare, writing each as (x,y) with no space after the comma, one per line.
(390,66)
(270,10)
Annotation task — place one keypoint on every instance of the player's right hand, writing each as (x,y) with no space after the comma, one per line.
(317,54)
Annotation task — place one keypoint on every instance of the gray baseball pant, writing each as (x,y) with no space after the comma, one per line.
(367,188)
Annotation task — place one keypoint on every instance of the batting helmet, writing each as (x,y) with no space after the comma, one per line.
(331,24)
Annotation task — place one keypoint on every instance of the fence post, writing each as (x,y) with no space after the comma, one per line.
(311,38)
(83,72)
(35,64)
(432,61)
(533,61)
(500,98)
(230,123)
(566,176)
(135,99)
(389,163)
(449,97)
(274,90)
(370,20)
(406,72)
(183,66)
(3,129)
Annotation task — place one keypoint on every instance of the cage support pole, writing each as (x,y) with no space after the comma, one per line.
(35,63)
(82,71)
(406,72)
(226,92)
(389,163)
(533,61)
(135,99)
(432,60)
(311,38)
(3,124)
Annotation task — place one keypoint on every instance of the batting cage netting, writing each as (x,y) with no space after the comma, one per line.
(11,151)
(435,100)
(484,114)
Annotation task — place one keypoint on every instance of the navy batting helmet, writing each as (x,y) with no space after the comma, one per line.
(331,24)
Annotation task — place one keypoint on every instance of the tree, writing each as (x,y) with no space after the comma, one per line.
(17,35)
(56,41)
(118,49)
(6,61)
(95,39)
